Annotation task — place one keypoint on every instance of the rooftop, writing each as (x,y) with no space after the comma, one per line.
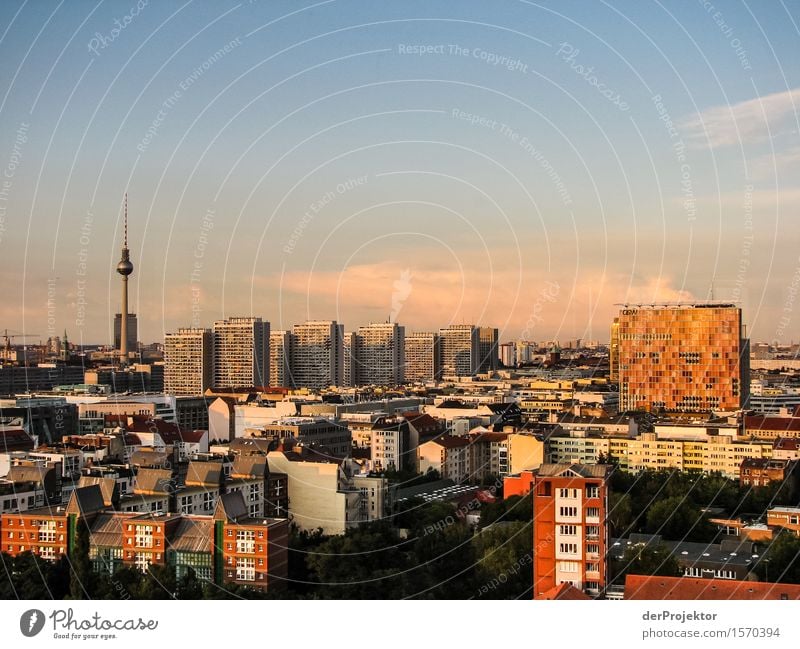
(641,587)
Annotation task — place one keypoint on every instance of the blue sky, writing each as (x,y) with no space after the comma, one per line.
(533,165)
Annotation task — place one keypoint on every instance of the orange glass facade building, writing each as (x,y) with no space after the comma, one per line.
(681,358)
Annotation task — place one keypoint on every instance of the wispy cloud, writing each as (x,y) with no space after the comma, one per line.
(775,165)
(748,122)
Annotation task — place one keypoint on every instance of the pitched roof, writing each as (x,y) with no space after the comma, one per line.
(108,487)
(475,438)
(231,507)
(565,591)
(204,474)
(86,500)
(193,436)
(14,440)
(766,422)
(786,444)
(450,441)
(151,459)
(153,481)
(106,529)
(249,466)
(252,445)
(193,534)
(36,473)
(581,470)
(645,587)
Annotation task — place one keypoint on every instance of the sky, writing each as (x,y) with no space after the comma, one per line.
(523,165)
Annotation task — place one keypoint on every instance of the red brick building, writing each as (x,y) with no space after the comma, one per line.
(49,532)
(145,539)
(570,536)
(250,552)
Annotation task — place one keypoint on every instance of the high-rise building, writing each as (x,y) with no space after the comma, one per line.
(188,361)
(280,359)
(613,352)
(570,533)
(682,358)
(349,371)
(125,268)
(132,332)
(460,350)
(380,354)
(318,354)
(488,349)
(241,352)
(508,355)
(422,357)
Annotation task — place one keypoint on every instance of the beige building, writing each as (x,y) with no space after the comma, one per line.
(318,354)
(321,496)
(716,453)
(241,353)
(280,366)
(447,455)
(422,357)
(525,451)
(460,345)
(188,361)
(379,354)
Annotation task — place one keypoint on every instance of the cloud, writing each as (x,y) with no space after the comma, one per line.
(748,122)
(773,166)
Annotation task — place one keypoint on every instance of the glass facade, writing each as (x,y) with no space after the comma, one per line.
(684,358)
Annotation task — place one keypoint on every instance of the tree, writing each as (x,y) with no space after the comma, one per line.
(677,519)
(358,564)
(158,583)
(620,513)
(189,586)
(781,562)
(504,568)
(81,582)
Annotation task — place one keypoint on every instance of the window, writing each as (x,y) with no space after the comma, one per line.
(570,512)
(567,530)
(592,548)
(592,491)
(592,512)
(568,566)
(144,536)
(246,569)
(568,548)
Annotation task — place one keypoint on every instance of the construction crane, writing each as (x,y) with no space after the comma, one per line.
(7,336)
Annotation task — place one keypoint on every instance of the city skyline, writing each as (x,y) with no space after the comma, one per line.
(431,166)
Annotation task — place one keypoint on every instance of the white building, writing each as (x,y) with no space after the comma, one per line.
(317,354)
(280,359)
(460,347)
(380,354)
(241,352)
(422,357)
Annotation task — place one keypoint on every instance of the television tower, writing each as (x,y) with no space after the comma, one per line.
(124,268)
